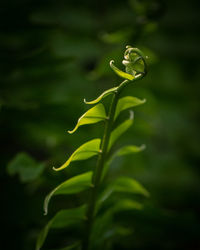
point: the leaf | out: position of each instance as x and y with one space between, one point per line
104 94
120 72
93 115
63 219
129 185
126 103
85 151
117 132
27 168
124 185
129 149
73 185
127 204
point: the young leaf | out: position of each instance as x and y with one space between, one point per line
104 94
117 132
120 72
126 103
74 185
63 219
84 152
93 115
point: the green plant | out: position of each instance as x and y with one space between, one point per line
97 215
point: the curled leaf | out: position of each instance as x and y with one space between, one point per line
73 185
121 73
85 151
104 94
126 103
93 115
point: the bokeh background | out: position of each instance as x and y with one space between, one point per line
55 53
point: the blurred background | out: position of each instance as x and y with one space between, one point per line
53 54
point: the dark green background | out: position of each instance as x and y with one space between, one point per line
55 53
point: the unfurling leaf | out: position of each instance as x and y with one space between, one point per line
104 94
117 132
73 185
93 115
121 73
126 103
85 151
63 219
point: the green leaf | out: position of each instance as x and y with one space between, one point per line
123 185
63 219
93 115
129 149
85 151
129 185
104 94
126 103
74 185
122 128
27 168
121 73
127 204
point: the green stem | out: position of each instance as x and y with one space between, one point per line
96 179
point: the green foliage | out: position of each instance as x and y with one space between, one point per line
85 151
98 225
93 115
26 167
63 219
72 186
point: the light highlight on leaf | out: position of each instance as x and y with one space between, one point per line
104 94
85 151
126 103
93 115
73 185
63 219
120 72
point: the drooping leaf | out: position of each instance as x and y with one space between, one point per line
104 94
27 168
121 73
63 219
117 132
126 103
93 115
85 151
73 185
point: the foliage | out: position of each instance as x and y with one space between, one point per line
101 147
55 53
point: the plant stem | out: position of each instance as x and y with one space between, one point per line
96 179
